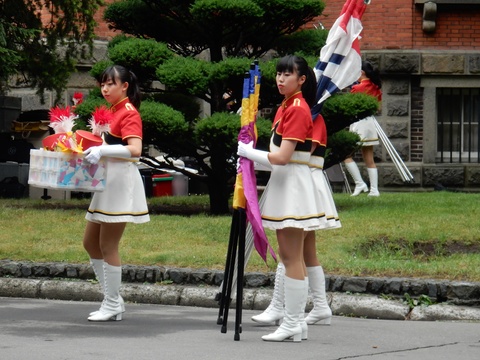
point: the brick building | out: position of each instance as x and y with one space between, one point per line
428 53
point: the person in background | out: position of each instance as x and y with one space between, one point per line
290 202
123 199
371 84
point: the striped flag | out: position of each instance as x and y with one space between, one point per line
340 63
245 195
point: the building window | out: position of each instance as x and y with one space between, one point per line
458 119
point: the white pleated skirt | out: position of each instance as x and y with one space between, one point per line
290 199
327 204
123 199
367 131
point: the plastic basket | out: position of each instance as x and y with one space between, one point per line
65 171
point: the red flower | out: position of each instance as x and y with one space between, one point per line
102 115
100 120
59 114
77 98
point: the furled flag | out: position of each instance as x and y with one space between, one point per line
245 194
340 63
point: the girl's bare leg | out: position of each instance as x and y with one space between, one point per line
290 247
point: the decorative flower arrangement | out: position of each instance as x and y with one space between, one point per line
100 120
62 121
98 123
77 99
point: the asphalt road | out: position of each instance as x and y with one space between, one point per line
32 329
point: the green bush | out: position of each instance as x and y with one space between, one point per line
219 129
186 75
162 124
187 105
228 68
98 68
303 43
140 56
223 128
117 40
341 145
264 131
343 109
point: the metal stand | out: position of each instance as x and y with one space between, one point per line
45 195
236 246
336 174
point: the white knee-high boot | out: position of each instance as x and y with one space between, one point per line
360 185
274 312
97 265
373 176
303 323
295 301
111 308
321 312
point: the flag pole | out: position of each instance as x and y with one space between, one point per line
246 220
402 169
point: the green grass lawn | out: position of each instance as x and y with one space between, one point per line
430 235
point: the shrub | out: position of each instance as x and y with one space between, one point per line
162 125
187 105
341 145
141 56
303 43
186 75
343 109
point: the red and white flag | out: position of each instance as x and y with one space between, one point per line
340 62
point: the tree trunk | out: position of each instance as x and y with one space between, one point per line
218 197
218 187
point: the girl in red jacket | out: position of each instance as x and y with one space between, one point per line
371 84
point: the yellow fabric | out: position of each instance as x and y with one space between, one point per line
239 200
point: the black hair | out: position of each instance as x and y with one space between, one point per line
372 73
124 76
297 64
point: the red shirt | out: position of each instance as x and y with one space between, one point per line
126 122
319 135
368 87
293 120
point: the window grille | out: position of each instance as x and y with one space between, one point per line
458 119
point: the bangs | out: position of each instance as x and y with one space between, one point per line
286 64
109 75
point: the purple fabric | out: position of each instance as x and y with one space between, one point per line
260 240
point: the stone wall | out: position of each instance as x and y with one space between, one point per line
408 115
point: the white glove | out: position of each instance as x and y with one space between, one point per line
257 156
94 153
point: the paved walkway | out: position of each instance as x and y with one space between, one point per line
58 330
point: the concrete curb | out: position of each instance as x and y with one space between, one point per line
342 304
439 291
